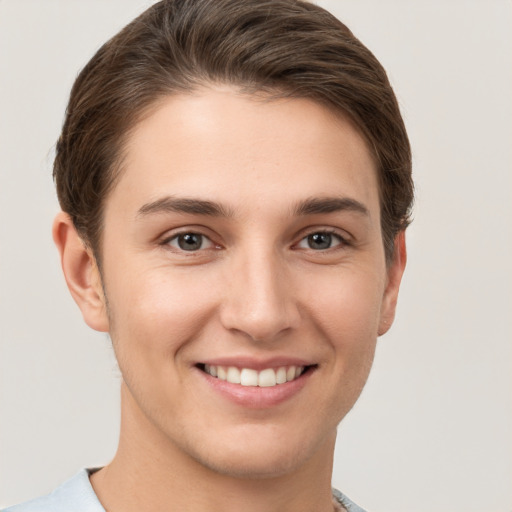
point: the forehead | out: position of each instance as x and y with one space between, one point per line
240 148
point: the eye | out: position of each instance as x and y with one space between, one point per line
320 241
190 242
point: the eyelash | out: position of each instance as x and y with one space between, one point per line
342 241
168 242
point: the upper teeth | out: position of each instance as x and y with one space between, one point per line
249 377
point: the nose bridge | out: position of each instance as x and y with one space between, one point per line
261 302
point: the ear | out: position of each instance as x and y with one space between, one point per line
81 273
395 272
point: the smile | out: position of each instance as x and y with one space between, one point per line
268 377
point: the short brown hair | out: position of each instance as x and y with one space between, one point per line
288 48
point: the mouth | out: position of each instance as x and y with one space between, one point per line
249 377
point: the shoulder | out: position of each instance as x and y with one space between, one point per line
347 504
75 494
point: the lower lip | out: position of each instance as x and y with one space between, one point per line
256 397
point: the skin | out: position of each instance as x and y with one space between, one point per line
256 289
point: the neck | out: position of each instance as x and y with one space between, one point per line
149 472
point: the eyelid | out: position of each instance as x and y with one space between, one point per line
336 242
171 235
204 241
344 238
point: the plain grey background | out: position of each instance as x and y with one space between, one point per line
433 428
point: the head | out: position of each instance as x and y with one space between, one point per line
235 175
283 48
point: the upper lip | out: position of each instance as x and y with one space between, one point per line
256 363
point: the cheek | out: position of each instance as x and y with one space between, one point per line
352 333
154 313
351 327
347 306
348 318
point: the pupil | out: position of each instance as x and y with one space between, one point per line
189 242
320 241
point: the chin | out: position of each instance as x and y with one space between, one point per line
244 466
260 456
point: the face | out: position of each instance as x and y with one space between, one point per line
245 278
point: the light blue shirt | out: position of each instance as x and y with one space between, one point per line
74 495
77 495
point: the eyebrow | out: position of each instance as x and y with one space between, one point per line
318 205
310 206
185 205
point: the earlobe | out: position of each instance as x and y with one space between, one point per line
81 273
395 273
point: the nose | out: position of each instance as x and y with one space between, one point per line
260 301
